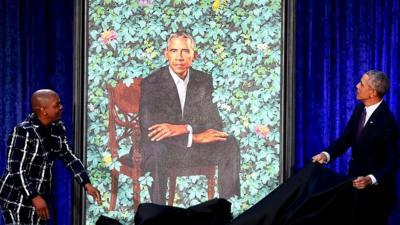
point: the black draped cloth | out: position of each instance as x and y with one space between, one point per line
313 196
212 212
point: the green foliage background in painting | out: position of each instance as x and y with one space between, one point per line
239 44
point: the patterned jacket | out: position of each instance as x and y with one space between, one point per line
32 150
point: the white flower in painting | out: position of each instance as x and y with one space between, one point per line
91 107
225 107
262 46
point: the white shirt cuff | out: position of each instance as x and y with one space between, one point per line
190 136
328 157
373 179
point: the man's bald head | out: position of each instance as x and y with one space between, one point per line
46 105
41 98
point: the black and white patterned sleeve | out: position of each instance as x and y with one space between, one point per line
20 149
73 163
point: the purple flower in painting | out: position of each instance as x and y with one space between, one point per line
144 2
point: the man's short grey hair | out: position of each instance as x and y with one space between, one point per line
181 34
378 81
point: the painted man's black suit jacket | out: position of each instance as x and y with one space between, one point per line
160 90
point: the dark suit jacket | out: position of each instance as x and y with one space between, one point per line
375 151
160 104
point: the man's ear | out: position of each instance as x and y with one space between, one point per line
166 53
196 54
374 93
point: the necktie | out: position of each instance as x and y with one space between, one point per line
361 123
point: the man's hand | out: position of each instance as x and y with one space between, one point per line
161 131
41 207
362 182
209 136
320 158
93 192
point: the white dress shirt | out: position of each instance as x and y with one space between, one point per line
181 86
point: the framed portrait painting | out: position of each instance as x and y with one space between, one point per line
244 48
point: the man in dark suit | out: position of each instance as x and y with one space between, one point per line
372 133
181 125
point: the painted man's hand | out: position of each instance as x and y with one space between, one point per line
93 192
41 207
209 136
161 131
362 182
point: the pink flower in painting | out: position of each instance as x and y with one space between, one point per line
144 2
108 36
262 130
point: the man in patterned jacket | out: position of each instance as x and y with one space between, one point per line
33 146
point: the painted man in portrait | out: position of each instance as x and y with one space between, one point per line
180 124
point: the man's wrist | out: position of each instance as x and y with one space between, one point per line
373 179
32 196
327 156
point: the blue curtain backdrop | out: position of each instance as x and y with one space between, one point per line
36 42
338 41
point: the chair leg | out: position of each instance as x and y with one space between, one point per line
171 195
136 190
211 186
114 188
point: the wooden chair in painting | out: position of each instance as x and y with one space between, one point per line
124 103
123 109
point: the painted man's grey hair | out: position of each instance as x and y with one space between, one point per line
182 35
378 81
